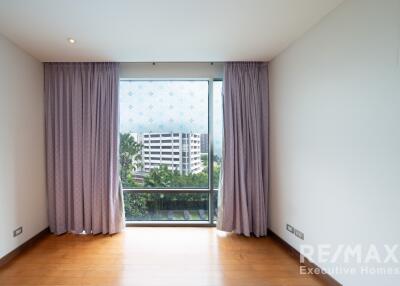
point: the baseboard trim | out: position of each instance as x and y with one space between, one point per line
27 244
329 280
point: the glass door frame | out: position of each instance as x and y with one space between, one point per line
210 190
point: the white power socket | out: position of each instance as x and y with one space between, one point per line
296 232
17 231
299 234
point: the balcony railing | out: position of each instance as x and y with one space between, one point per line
170 205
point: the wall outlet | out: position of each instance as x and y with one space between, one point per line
299 234
18 231
290 228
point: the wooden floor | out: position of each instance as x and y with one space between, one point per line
156 256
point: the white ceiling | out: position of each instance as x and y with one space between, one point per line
158 30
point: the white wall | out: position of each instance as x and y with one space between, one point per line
335 132
22 169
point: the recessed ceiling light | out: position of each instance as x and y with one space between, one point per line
71 41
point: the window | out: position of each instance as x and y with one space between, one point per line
172 120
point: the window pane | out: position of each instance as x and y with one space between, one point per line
164 131
166 206
214 204
217 128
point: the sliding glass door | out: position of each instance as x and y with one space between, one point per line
170 150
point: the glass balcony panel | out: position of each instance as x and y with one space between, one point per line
155 206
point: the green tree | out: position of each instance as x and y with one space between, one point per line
135 204
216 174
160 177
130 160
130 157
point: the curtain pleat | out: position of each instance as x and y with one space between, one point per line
244 187
81 119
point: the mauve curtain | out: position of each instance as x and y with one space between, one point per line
81 119
244 187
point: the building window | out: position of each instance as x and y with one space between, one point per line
173 118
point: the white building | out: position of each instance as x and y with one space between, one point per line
178 151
